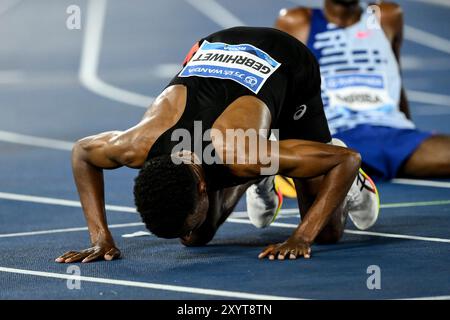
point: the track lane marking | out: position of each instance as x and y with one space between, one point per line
90 53
148 285
443 3
34 141
422 183
366 233
72 203
64 230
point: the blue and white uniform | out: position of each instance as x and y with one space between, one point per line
361 86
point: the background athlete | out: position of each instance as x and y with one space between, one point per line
191 199
364 100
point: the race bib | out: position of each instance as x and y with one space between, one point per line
357 92
243 63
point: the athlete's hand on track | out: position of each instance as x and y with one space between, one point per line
290 249
101 250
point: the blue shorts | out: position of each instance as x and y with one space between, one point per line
383 149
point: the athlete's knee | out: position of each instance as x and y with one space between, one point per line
342 154
350 154
352 158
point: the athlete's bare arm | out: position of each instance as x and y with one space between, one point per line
111 150
306 159
297 159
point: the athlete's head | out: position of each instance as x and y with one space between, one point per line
345 2
171 198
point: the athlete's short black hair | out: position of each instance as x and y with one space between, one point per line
165 194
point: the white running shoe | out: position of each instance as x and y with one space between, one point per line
263 202
362 199
363 202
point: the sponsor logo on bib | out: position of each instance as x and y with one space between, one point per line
243 63
358 92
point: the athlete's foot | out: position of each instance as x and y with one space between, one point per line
264 202
363 202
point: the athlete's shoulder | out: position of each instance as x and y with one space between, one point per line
295 21
294 17
390 11
390 8
391 18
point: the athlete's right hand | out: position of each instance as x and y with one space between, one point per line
101 250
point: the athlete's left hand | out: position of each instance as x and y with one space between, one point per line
291 249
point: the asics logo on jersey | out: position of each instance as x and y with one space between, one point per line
300 112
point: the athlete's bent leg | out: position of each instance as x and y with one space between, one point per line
431 159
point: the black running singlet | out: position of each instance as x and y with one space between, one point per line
262 62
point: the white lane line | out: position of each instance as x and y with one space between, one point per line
90 59
149 285
64 230
365 233
427 39
291 211
430 111
173 288
415 204
444 3
167 70
34 141
428 98
396 236
58 202
287 211
216 13
236 217
8 5
428 298
71 203
273 224
423 183
11 76
415 62
137 234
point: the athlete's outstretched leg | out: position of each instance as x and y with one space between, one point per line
431 159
